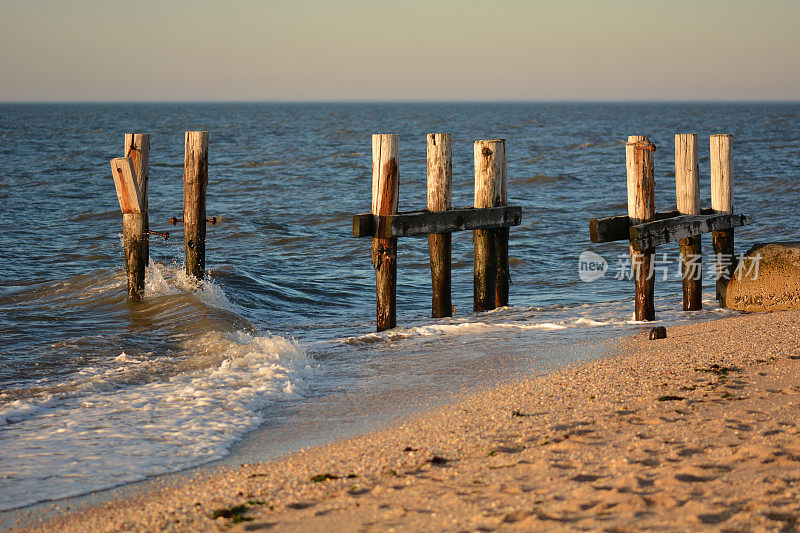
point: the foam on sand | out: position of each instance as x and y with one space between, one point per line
143 416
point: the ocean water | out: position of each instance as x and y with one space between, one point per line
276 349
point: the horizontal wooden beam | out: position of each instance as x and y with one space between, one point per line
429 222
611 229
650 234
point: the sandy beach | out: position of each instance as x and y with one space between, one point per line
698 431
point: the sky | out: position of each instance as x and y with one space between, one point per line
400 50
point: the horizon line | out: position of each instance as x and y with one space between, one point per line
409 101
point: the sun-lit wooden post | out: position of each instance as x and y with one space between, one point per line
722 202
687 192
490 171
137 147
195 181
641 208
440 173
503 276
385 188
133 232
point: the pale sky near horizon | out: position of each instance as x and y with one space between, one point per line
250 50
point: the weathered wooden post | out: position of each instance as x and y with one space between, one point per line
687 191
385 188
722 202
641 208
440 173
195 181
133 231
490 171
503 276
137 147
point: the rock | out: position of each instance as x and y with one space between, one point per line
767 279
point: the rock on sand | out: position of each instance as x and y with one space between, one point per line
768 279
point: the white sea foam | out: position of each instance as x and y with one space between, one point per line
541 325
536 319
163 280
18 410
420 331
123 423
123 358
465 328
589 322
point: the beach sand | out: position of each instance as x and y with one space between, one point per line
697 431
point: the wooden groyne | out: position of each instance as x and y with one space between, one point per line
489 220
645 228
131 175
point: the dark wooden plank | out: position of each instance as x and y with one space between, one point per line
651 234
405 224
610 229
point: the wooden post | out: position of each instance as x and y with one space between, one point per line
503 276
490 169
195 181
137 147
722 202
440 172
130 203
385 188
641 208
687 191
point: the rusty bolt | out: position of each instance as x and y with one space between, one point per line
164 234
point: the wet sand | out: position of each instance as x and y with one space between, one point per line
698 431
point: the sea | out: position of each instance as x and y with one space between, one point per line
276 348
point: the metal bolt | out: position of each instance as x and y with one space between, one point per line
164 234
175 220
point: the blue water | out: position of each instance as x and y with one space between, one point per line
88 379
